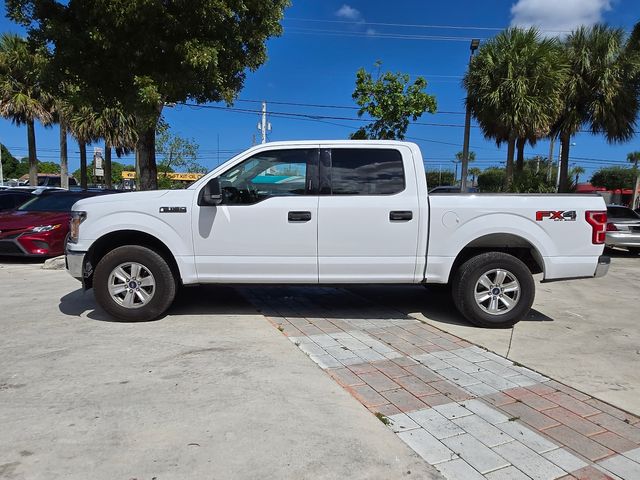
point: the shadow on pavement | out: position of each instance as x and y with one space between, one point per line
10 260
200 300
366 302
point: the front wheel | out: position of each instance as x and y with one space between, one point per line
134 284
493 290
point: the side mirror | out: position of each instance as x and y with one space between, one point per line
210 195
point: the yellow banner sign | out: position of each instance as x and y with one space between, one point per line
185 177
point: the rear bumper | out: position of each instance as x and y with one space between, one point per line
604 263
623 239
570 268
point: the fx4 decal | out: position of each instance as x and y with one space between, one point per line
558 216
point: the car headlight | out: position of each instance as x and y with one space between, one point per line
74 226
45 228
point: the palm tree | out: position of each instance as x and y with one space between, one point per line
577 171
513 87
82 125
474 172
118 131
634 157
602 90
22 97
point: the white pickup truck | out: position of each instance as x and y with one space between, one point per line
332 212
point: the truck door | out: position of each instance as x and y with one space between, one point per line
368 217
266 229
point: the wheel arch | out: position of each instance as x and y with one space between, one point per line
509 243
109 241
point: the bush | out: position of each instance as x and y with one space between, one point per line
492 180
435 178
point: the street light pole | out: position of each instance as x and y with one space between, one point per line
475 43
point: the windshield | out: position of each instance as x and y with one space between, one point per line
57 202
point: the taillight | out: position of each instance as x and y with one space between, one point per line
598 221
611 227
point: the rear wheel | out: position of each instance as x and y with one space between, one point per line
134 284
494 290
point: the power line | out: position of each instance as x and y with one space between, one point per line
370 34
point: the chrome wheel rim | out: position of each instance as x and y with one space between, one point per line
497 291
131 285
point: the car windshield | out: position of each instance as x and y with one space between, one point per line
622 212
57 202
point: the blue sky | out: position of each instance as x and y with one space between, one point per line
325 42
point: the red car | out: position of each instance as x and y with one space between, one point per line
40 227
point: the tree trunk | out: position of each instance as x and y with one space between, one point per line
565 140
634 200
33 159
83 164
511 146
64 159
146 148
520 159
107 165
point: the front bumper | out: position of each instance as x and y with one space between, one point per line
75 264
604 263
622 239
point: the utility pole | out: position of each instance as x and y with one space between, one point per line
1 172
475 43
550 167
264 126
455 175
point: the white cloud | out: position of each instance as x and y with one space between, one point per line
348 12
558 15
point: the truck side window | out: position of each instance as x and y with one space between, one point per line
366 171
268 174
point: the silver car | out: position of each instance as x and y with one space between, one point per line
623 228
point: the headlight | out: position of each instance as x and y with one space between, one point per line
44 228
74 226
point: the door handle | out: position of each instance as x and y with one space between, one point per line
299 216
401 216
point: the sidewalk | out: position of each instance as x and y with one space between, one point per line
467 411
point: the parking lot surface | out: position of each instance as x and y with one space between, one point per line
211 391
218 389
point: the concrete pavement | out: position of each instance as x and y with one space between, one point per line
211 391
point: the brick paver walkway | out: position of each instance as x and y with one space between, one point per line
469 412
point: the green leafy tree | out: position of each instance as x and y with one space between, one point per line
9 163
116 172
602 91
435 178
513 89
48 167
614 178
176 153
118 130
157 53
492 180
532 178
391 101
23 100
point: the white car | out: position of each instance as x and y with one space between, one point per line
354 212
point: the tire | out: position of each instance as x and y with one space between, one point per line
634 250
508 298
148 297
